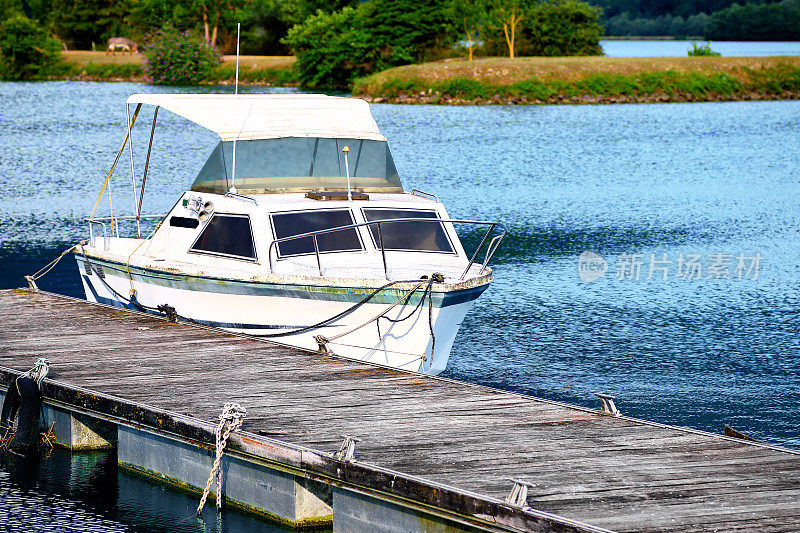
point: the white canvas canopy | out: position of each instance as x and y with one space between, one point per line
271 116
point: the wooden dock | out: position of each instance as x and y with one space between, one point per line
439 450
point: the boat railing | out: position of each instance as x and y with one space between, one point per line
101 221
423 194
92 222
491 248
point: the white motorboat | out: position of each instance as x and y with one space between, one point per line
297 229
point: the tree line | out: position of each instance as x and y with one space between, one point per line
721 20
510 27
337 47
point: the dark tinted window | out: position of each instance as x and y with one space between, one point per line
227 235
297 223
426 236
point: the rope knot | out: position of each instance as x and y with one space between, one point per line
233 413
39 371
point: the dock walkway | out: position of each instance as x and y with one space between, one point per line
449 448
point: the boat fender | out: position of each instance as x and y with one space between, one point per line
23 402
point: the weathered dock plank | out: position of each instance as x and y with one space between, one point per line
612 472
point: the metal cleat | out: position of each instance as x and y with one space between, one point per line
608 407
322 344
347 449
32 283
519 494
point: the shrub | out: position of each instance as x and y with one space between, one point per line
333 49
173 57
702 50
563 28
26 50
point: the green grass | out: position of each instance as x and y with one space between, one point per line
108 70
700 85
270 75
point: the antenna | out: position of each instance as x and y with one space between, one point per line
236 91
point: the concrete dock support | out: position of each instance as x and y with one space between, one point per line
77 431
280 496
357 513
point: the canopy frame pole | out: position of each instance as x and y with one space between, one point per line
107 183
133 173
146 166
233 170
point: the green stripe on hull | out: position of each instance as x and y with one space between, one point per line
261 288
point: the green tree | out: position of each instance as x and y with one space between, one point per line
413 26
563 28
506 16
26 50
333 49
264 25
755 22
468 16
296 11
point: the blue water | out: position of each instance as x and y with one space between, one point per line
658 48
627 182
85 492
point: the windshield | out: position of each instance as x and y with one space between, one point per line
299 164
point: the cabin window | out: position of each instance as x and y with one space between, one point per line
299 222
408 236
228 235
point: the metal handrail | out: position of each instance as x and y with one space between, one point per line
424 194
102 221
490 250
91 233
242 197
132 217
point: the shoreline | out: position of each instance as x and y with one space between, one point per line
587 99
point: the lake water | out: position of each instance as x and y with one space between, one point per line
704 194
659 48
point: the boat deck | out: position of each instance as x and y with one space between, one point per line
612 472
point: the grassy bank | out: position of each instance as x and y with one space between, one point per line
586 80
99 66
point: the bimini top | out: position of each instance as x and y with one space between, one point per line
271 116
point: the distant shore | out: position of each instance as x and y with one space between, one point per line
521 81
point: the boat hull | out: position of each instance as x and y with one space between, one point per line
416 334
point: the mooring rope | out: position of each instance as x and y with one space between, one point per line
48 267
39 371
382 313
427 292
229 421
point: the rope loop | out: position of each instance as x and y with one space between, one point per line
39 371
230 420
